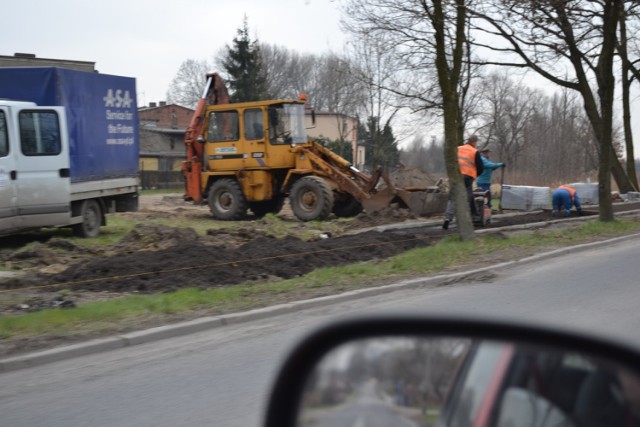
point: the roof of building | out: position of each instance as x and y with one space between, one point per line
31 60
161 105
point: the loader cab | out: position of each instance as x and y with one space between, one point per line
287 125
253 135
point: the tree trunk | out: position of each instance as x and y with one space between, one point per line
448 78
624 182
626 105
606 89
604 182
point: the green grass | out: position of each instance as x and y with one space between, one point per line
113 315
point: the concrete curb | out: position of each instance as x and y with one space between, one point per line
205 323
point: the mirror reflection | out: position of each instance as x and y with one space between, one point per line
459 382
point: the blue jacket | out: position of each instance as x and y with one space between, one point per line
489 167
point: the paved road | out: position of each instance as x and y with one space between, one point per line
221 377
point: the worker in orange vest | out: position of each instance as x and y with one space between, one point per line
471 166
565 197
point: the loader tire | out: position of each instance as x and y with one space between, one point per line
260 209
226 200
311 198
346 208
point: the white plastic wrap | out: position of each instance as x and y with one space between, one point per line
587 192
525 198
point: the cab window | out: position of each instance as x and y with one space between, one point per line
286 124
4 140
39 133
253 124
223 126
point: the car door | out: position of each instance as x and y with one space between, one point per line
42 167
8 199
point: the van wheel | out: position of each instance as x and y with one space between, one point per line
91 220
311 198
226 201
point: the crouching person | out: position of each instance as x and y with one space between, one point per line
563 199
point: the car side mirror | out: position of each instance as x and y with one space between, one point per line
390 371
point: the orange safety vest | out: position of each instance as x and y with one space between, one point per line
467 160
571 190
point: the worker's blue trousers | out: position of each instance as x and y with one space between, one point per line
561 198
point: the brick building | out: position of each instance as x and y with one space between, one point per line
162 150
163 115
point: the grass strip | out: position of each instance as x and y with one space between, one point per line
113 315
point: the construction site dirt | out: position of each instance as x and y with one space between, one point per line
160 258
155 258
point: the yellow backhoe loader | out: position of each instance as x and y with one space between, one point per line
253 155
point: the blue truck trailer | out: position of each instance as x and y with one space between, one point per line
69 148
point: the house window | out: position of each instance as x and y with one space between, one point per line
165 164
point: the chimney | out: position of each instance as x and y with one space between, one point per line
24 55
152 105
163 103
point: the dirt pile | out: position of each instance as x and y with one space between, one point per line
168 263
413 177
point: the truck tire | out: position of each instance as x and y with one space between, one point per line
311 198
347 207
262 208
91 219
226 200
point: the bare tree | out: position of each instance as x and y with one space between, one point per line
186 87
556 38
288 73
509 106
371 70
559 143
626 80
428 40
423 155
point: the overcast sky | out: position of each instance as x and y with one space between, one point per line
149 40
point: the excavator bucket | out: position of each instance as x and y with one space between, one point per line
423 201
420 201
380 200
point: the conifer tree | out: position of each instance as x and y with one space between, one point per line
381 144
246 76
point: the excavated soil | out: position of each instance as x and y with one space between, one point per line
153 258
158 258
